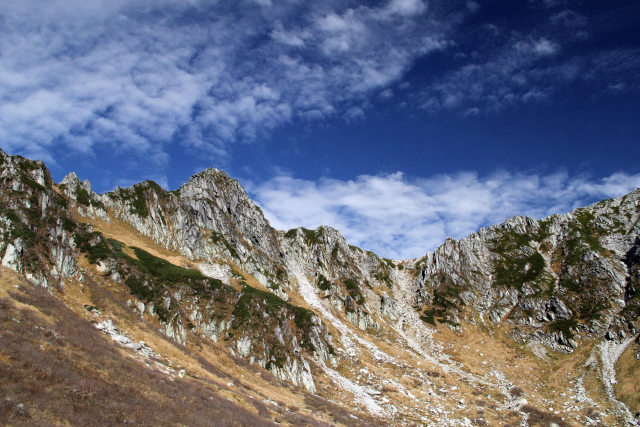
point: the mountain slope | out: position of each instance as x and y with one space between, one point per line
496 328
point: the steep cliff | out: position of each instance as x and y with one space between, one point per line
401 340
43 240
554 280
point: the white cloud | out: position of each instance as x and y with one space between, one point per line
502 67
283 36
511 76
518 72
569 18
540 47
406 7
545 47
472 6
402 218
138 75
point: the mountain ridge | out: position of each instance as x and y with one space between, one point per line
560 285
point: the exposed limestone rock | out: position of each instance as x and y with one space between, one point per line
389 308
11 258
88 202
553 283
243 347
298 372
211 217
174 331
362 320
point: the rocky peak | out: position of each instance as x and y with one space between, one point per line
25 174
71 186
283 300
219 203
210 184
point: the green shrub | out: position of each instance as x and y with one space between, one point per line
117 246
99 251
354 290
585 218
312 236
543 230
98 204
323 283
138 288
351 284
428 316
334 251
384 277
511 271
291 234
82 196
564 326
164 270
581 238
570 285
68 224
12 216
509 240
139 204
60 201
590 307
248 303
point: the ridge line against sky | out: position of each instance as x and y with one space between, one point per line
337 91
402 218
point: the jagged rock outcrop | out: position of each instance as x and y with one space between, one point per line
554 282
87 202
34 223
211 217
41 240
552 278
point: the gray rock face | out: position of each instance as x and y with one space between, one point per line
218 203
87 202
211 217
518 272
34 240
389 308
559 272
12 254
549 282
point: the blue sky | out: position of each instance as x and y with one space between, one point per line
399 122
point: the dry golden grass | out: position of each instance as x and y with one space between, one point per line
206 363
211 371
110 304
124 232
540 381
628 376
67 372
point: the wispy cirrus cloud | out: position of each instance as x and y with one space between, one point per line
501 66
138 76
399 217
146 79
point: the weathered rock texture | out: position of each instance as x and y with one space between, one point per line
553 282
550 279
